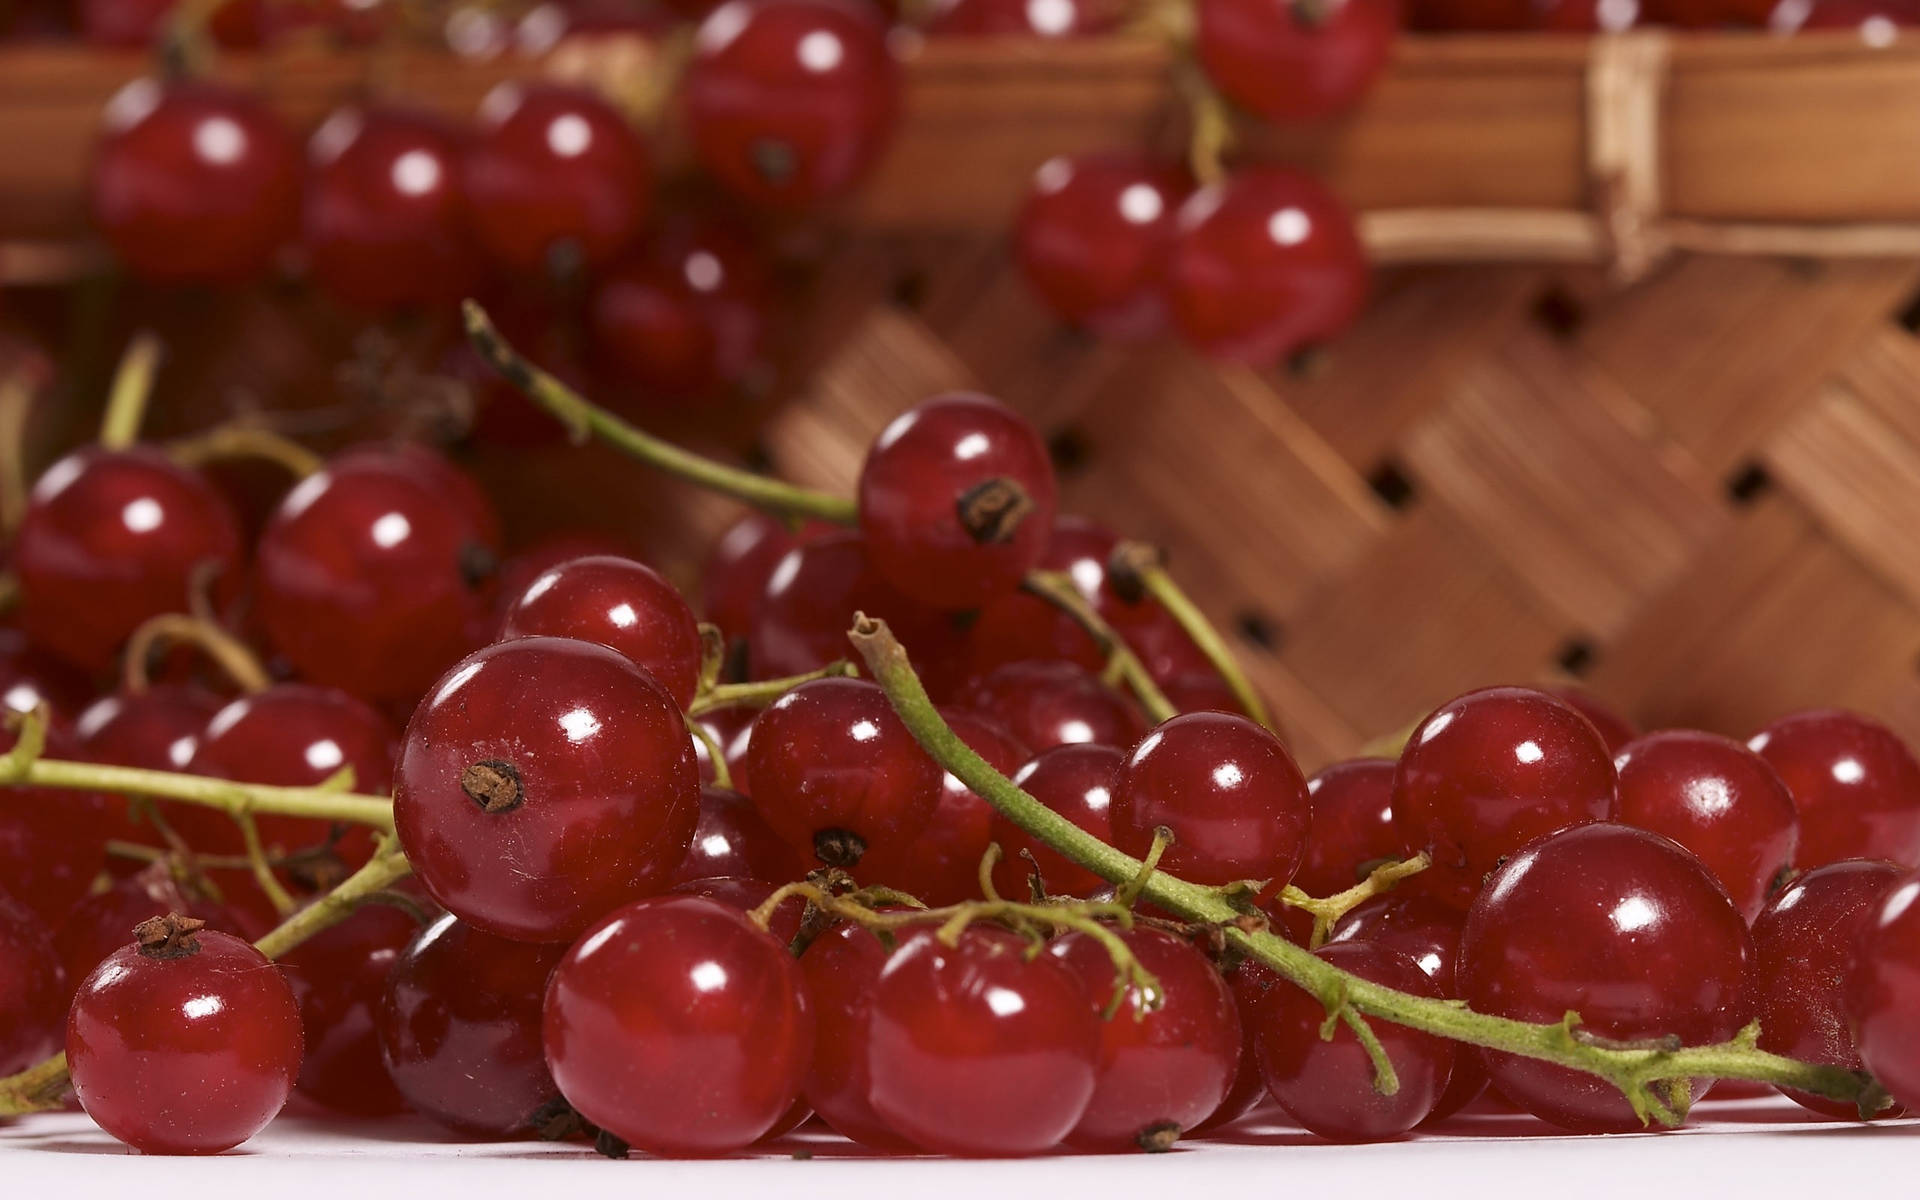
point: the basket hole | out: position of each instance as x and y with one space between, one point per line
909 289
1576 656
1909 314
1558 312
1748 484
1258 628
758 459
1070 451
1391 484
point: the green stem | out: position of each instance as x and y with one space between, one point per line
243 441
716 756
763 692
283 904
132 387
1634 1071
1136 564
1328 910
1058 590
584 419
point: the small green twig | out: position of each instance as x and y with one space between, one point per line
1128 893
234 657
1136 565
237 440
132 387
763 692
1328 910
262 870
716 757
1123 664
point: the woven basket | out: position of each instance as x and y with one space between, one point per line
1608 438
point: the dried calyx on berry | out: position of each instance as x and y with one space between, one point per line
494 785
168 937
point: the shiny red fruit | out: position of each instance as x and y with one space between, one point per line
980 1048
100 924
1615 730
111 538
190 1047
122 23
1488 772
193 183
842 967
52 840
1228 791
684 314
942 865
748 895
542 783
1048 704
835 772
1163 1069
33 989
735 574
1352 829
790 102
384 225
618 603
1803 945
1294 61
1615 923
339 976
732 838
31 679
732 730
678 1026
1014 18
957 500
555 178
1092 240
1076 781
1882 992
459 1028
1264 265
1718 799
1855 783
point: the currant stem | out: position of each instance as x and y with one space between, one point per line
234 657
277 896
241 440
585 420
1329 909
1633 1071
1211 134
1057 589
764 692
1138 563
132 387
716 757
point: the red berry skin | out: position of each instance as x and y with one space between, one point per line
459 1028
369 573
1352 826
919 487
1171 1065
732 838
52 840
1488 772
737 569
1034 18
609 794
1327 1085
732 729
156 729
1615 923
1076 781
679 1026
1092 241
33 989
98 925
552 171
1615 730
830 757
384 225
842 967
1229 792
977 1050
790 102
1882 992
127 23
683 316
31 679
1855 783
1271 60
1048 704
519 571
1263 265
338 978
619 603
189 1055
745 895
1803 946
112 537
942 865
194 183
1718 799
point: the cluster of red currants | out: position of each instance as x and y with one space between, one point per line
1877 21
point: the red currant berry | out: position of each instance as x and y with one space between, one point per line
517 572
97 926
385 220
957 500
1719 800
186 1042
156 729
30 680
835 772
1264 265
980 1048
1882 992
736 572
619 603
1013 18
842 967
370 573
1352 828
733 839
1164 1069
1327 1084
1248 980
194 183
112 537
1076 781
1803 945
942 865
126 23
679 1027
542 782
1615 730
556 178
1295 61
1855 783
33 989
683 316
1615 923
52 841
789 102
1228 791
745 895
338 977
1048 704
459 1028
1487 773
1092 240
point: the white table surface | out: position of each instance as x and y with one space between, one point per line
1740 1150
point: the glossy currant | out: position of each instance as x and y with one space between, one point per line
732 838
1855 784
1046 704
619 603
1092 240
33 988
1351 828
1077 781
1882 991
842 967
942 865
1295 61
339 977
